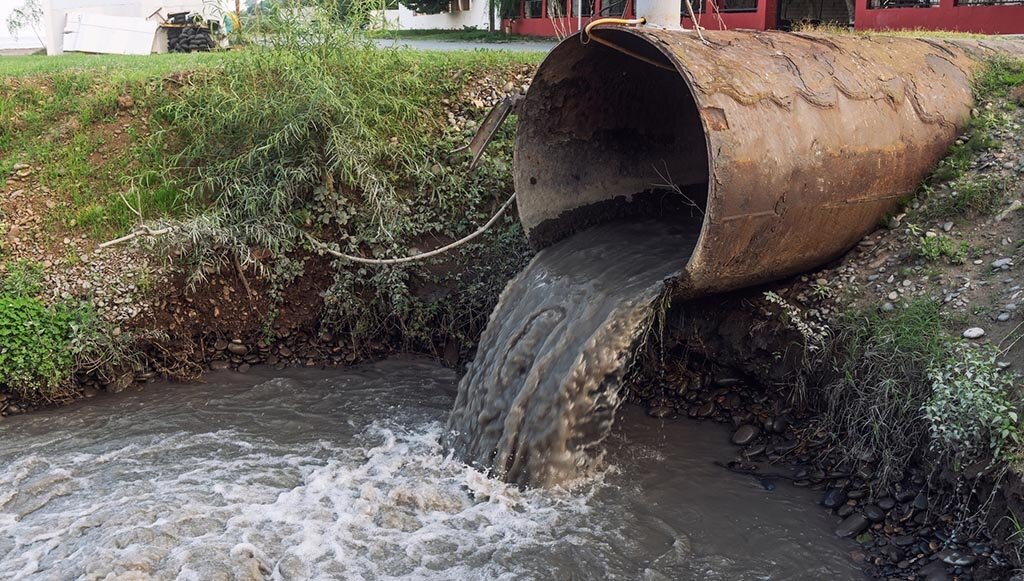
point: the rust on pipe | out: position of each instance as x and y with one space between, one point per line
784 149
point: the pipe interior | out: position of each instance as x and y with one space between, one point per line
603 135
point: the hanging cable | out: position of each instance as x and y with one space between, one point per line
589 35
325 248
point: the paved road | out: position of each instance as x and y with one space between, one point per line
517 46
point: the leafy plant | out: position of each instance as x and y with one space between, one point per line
36 358
971 413
934 248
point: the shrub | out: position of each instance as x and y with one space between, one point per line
971 414
36 358
318 130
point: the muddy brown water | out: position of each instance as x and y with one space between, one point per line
340 475
543 388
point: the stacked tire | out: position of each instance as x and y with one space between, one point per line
189 39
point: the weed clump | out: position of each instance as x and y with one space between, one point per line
873 382
935 248
999 77
969 198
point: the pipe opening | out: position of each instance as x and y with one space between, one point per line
603 135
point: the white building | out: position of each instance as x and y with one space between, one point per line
465 13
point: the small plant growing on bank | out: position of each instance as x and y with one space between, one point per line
971 413
969 198
1000 75
935 248
23 278
35 355
961 154
814 333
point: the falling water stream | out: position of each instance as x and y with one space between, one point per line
542 391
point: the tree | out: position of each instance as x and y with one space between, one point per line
27 16
427 6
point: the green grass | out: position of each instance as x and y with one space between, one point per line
127 67
962 153
1001 74
968 197
908 33
872 380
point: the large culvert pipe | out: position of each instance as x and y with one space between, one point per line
786 149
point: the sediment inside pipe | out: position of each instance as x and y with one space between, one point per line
603 135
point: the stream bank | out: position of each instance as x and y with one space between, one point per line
180 310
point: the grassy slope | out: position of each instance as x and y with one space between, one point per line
101 132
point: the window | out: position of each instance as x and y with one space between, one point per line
533 9
613 8
585 7
902 3
722 6
988 2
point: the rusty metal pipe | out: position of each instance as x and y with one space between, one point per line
786 149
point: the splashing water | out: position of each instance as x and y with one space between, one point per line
541 394
339 475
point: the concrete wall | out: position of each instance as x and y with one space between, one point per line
405 19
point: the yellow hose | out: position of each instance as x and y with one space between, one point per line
589 35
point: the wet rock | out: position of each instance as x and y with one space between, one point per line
90 392
904 541
905 495
745 434
853 525
1002 264
220 365
874 513
934 571
755 450
237 348
921 501
886 503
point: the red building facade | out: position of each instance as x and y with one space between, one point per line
563 17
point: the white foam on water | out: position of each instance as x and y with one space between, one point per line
390 507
